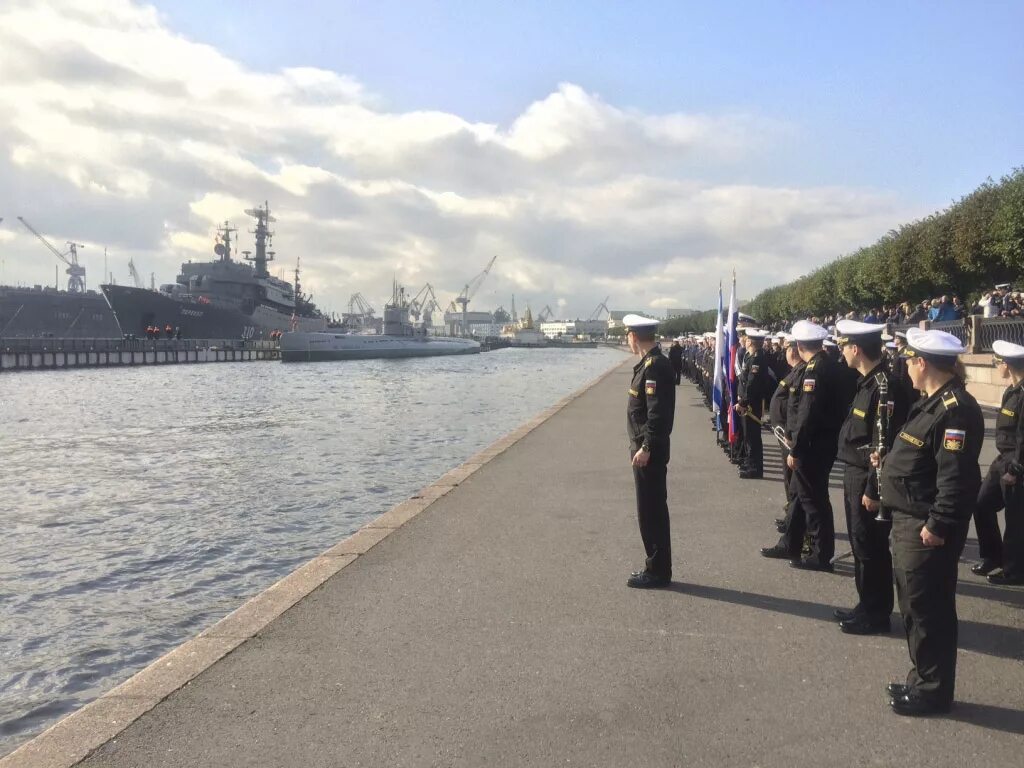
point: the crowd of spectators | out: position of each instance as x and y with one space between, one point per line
1001 301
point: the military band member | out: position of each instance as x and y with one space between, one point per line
1002 486
650 412
930 482
782 410
824 400
861 347
754 386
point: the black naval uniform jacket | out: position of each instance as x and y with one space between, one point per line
1010 431
858 436
755 381
824 400
783 405
932 472
652 405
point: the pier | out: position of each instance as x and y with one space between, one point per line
49 354
485 621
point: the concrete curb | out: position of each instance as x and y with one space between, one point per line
74 738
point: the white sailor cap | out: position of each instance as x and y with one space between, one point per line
742 318
901 335
1007 350
931 343
756 333
639 322
890 345
781 335
805 330
828 343
851 331
886 336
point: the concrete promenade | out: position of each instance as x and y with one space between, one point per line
494 628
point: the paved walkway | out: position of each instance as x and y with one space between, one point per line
495 629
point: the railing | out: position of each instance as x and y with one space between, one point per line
128 345
958 328
991 329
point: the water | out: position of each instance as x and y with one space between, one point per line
141 505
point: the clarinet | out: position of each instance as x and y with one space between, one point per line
882 431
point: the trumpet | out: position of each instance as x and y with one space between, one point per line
780 435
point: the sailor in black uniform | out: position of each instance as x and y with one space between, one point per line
650 412
1002 486
755 384
861 347
930 481
824 400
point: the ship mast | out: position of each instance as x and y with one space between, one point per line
263 239
223 246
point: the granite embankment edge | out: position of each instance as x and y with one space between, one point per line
76 736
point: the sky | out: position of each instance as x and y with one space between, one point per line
637 150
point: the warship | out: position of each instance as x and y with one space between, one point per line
221 299
401 338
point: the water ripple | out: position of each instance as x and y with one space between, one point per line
138 520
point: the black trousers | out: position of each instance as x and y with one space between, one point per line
869 539
652 514
926 587
811 509
1006 549
753 442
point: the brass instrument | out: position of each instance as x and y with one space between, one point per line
780 435
882 431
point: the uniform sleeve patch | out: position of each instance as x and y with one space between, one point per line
809 385
859 413
911 439
954 439
650 386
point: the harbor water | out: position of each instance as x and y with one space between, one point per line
141 505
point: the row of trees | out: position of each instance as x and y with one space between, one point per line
963 250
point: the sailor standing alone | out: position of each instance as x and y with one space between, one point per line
650 412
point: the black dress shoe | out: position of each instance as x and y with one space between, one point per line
1004 579
780 527
913 705
864 625
811 565
897 690
647 580
780 521
984 568
841 614
776 553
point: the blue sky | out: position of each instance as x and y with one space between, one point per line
639 150
923 98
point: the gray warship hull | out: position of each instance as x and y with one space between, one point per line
27 313
315 347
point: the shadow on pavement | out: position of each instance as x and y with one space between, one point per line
980 637
989 716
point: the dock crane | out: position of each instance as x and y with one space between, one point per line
75 271
424 303
136 278
602 307
359 311
545 314
462 300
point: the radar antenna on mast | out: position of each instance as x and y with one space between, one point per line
223 245
263 239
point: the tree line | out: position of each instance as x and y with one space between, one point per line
963 250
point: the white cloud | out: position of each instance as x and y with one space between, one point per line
117 131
